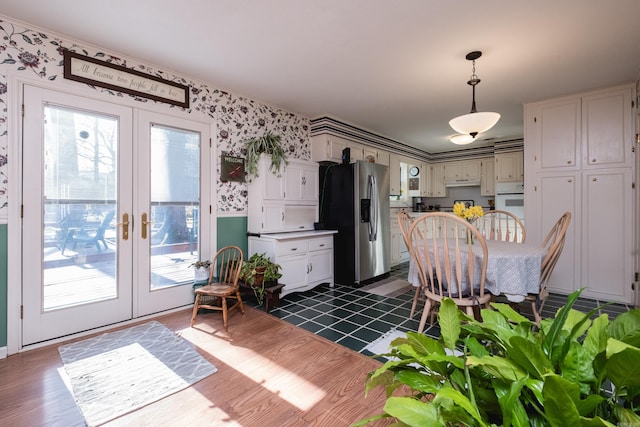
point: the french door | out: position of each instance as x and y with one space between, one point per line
112 217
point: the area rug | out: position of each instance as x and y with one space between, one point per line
389 289
118 372
382 344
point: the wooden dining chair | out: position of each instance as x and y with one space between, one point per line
222 285
405 220
443 254
554 243
501 225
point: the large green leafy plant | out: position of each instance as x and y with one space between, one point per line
573 371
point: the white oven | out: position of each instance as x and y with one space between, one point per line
510 198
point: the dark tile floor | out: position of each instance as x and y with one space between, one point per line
354 318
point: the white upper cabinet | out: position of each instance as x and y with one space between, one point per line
301 181
509 167
438 188
394 175
326 147
383 157
594 129
369 154
607 128
487 180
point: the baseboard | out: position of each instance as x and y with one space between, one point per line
3 352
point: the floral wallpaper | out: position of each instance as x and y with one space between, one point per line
236 118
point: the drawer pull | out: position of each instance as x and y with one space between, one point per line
294 249
322 245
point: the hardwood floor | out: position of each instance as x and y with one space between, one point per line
270 373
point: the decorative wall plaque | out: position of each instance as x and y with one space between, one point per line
231 168
121 79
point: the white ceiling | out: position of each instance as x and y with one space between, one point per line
396 68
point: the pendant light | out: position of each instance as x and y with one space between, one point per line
470 125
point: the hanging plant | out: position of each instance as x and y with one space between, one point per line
268 144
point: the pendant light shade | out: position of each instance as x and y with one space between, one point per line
474 123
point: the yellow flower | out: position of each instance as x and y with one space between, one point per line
470 213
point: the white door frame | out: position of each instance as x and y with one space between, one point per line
15 170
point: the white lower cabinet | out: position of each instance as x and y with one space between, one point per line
306 258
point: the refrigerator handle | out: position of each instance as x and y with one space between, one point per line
373 195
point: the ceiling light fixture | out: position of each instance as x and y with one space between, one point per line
470 125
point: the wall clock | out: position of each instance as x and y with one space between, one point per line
414 171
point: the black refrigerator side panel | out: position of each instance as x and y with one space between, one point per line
337 213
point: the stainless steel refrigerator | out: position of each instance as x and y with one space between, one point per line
354 199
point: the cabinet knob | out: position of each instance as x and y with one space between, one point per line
593 160
568 162
594 179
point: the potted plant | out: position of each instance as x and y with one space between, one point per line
577 369
268 144
201 271
257 271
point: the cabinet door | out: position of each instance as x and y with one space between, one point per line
487 180
607 240
310 183
320 267
557 133
452 171
396 237
424 179
369 154
383 157
294 271
327 148
301 182
272 218
508 167
607 129
357 151
556 194
437 181
471 170
394 175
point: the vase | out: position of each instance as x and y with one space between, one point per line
200 275
469 238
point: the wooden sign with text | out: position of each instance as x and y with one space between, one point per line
121 79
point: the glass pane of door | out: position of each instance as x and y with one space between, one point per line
79 239
175 201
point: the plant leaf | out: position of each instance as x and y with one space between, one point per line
499 367
622 364
559 395
413 412
460 400
449 323
577 366
558 322
529 356
626 327
507 311
419 380
596 340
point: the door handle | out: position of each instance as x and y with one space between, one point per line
144 225
125 226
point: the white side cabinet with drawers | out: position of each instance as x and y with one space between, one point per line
306 258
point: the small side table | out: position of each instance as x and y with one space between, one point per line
272 297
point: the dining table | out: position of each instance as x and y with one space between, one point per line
513 269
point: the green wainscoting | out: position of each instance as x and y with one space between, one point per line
3 285
233 231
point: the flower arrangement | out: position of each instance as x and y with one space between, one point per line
469 213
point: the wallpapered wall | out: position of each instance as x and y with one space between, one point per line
38 53
35 52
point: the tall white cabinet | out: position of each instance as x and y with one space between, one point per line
579 152
281 214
